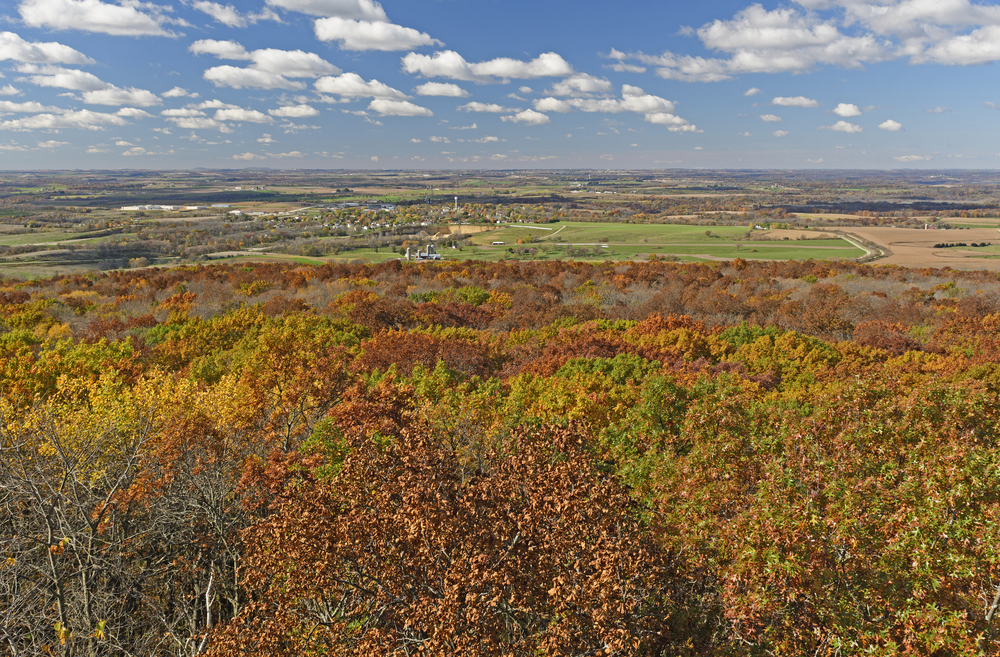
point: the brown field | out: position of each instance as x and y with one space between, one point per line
912 247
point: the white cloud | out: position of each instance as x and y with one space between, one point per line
672 122
440 140
270 69
770 118
177 92
14 47
987 103
294 112
552 105
780 133
293 154
212 104
199 123
9 90
476 106
221 49
352 85
580 83
633 99
938 110
441 89
266 139
912 158
449 64
292 63
62 78
242 116
248 156
847 110
360 9
890 125
843 126
115 96
752 91
239 78
93 150
794 101
387 107
30 107
134 151
96 91
368 35
133 113
230 16
51 144
528 117
79 119
96 16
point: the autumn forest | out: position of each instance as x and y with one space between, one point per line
501 458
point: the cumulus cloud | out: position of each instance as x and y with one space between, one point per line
352 85
476 106
248 156
14 47
270 68
292 63
239 78
369 35
441 89
780 133
890 125
843 126
633 99
9 90
178 92
449 64
938 110
241 115
752 91
127 19
221 49
912 158
388 107
133 113
794 101
528 117
580 83
95 91
116 96
79 119
672 122
62 78
30 107
847 110
770 118
356 9
230 16
845 33
294 112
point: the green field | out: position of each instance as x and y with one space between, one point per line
45 237
615 241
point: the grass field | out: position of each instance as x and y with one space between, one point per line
45 237
614 241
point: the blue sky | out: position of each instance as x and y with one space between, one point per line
449 84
